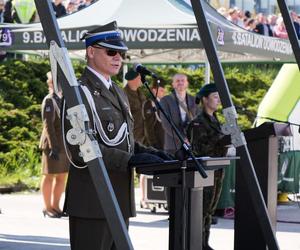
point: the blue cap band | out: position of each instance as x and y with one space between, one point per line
111 36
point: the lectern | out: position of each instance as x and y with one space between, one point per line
185 205
263 147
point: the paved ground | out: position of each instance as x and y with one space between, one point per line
23 227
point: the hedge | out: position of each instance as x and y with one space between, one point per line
23 86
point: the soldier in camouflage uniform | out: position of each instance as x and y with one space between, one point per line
204 134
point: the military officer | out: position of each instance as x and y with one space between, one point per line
154 131
136 99
55 163
204 134
108 109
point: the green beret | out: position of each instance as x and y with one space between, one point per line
205 91
131 74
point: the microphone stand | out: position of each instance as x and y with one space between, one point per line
187 151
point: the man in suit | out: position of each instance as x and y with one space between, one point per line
295 19
181 108
262 26
110 117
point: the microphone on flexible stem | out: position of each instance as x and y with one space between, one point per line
139 68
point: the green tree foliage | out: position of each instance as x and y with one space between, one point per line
23 87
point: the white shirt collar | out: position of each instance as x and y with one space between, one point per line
107 83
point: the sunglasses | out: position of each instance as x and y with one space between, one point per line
111 52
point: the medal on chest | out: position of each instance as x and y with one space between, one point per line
110 127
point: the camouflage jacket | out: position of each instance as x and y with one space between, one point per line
204 133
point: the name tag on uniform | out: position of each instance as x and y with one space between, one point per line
106 108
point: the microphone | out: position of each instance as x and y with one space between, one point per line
139 68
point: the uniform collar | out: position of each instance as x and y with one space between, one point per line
107 83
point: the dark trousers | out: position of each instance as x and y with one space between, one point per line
90 234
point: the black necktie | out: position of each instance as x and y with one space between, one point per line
111 89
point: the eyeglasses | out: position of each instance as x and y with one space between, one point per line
111 52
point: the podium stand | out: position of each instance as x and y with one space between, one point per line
263 147
169 174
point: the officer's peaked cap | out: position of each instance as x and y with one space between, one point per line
107 36
205 91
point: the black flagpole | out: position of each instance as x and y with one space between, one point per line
290 29
63 73
231 127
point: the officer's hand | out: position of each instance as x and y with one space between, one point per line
181 155
144 158
164 155
54 154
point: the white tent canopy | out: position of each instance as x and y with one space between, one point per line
149 29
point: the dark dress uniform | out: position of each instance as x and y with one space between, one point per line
112 122
51 138
136 100
154 131
81 202
204 134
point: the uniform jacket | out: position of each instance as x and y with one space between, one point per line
113 110
153 127
204 134
51 137
136 100
170 105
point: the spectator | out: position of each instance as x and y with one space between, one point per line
233 16
279 29
181 108
250 25
71 7
85 4
54 160
272 21
19 11
223 11
2 4
248 14
59 8
295 19
262 27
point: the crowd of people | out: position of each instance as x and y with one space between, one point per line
268 25
24 11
